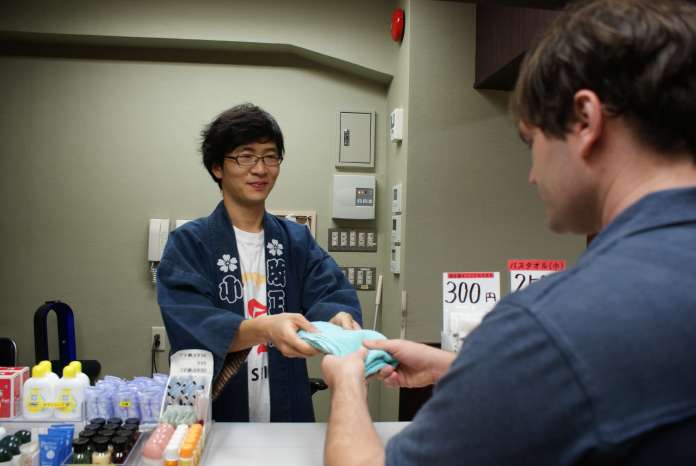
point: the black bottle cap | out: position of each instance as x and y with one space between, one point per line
117 421
93 427
24 436
88 434
13 447
107 432
119 443
5 455
80 445
98 420
132 420
130 427
101 444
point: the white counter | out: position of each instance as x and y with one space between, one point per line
286 444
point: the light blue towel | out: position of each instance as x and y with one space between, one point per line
332 339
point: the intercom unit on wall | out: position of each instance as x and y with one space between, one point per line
354 197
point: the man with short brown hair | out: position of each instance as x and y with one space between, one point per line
597 364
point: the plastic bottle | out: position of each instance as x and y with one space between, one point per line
37 394
120 450
81 454
29 452
81 376
186 455
101 453
13 447
155 445
49 371
71 393
5 457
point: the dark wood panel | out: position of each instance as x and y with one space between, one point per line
503 35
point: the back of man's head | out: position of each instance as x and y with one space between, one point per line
638 56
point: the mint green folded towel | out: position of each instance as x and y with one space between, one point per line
332 339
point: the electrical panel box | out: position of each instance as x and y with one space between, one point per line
354 197
351 240
396 125
362 278
356 145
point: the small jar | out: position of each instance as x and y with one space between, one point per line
120 450
128 440
81 453
108 433
92 427
114 421
88 434
101 453
132 420
127 434
98 420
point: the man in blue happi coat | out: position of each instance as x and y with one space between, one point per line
241 282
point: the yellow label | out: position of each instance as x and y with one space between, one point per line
65 401
35 403
125 404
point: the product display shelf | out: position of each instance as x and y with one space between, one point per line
17 423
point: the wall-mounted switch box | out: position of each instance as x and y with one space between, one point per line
354 197
356 139
352 240
396 125
362 278
396 229
395 259
396 199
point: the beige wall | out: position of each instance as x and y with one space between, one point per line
355 31
468 200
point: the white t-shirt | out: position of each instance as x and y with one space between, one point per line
252 258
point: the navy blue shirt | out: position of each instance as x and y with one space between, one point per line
581 366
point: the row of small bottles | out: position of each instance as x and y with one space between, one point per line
105 441
174 447
20 449
45 396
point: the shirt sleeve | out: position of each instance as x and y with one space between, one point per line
510 397
326 291
187 301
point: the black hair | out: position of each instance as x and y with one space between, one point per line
241 124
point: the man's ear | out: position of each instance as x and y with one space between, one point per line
588 121
217 171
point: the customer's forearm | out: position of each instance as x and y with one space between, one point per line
351 438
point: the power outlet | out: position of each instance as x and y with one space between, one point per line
164 341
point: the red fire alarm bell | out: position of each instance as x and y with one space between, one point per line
397 25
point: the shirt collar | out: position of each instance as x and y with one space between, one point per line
655 210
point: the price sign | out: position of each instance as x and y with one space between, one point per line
524 272
470 293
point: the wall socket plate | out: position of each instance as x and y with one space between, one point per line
164 345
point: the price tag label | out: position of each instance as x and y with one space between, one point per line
469 295
524 272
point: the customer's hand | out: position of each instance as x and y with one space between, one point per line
345 321
341 370
419 365
281 330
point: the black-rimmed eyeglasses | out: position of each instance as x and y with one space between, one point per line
252 160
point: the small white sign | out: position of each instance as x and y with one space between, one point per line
466 298
524 272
